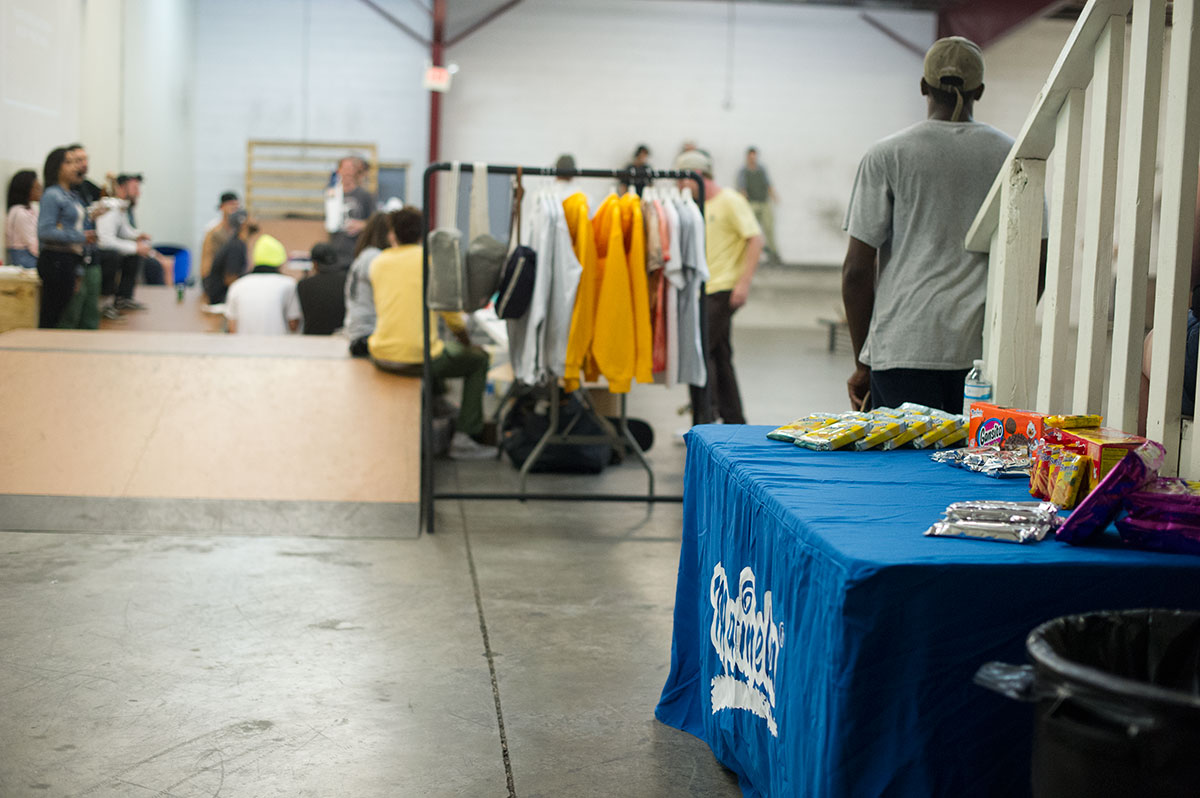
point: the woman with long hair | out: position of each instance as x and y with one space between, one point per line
360 299
20 227
61 236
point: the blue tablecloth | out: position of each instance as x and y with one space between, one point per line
840 659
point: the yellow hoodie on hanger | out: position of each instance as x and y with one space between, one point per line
583 317
613 347
634 228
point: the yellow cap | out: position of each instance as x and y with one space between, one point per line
269 252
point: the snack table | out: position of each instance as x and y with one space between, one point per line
823 646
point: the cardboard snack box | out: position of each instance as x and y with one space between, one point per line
1009 428
1103 445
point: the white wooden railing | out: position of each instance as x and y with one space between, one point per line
1099 378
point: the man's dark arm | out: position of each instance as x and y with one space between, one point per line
858 295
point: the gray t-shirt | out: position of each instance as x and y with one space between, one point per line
359 205
755 183
915 196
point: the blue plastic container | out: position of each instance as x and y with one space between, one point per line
183 261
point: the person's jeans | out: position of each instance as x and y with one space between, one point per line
722 387
929 387
23 258
83 311
113 265
58 271
765 213
456 360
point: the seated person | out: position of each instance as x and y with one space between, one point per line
360 302
1191 339
264 302
122 247
218 232
230 261
20 228
322 293
397 345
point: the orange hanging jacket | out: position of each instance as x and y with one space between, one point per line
583 317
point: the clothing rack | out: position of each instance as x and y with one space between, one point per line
619 436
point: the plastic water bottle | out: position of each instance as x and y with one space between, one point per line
976 388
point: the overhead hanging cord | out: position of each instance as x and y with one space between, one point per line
729 37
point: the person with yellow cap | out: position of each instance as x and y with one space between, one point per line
264 302
914 296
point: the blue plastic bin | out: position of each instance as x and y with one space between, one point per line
183 261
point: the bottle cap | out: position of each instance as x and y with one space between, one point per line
978 364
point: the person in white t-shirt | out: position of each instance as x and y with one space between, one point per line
264 302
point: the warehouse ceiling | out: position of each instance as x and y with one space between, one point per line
463 16
982 20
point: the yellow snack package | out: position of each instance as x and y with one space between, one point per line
789 432
834 436
1073 421
956 438
917 426
888 412
883 430
1068 477
940 430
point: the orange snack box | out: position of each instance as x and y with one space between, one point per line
1103 445
1006 427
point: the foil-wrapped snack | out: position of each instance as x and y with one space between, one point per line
990 460
1011 522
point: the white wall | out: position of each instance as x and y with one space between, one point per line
156 131
811 87
320 70
189 82
39 81
112 74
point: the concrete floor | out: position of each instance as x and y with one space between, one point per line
518 652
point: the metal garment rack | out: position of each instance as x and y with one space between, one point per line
619 436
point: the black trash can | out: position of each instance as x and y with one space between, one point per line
1118 703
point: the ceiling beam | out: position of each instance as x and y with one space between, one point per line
984 23
383 12
488 18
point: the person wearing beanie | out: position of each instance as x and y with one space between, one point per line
264 302
322 293
733 243
914 295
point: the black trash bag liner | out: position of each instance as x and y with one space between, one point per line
1118 703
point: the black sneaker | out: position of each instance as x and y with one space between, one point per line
110 312
123 303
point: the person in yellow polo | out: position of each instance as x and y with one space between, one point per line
397 345
733 245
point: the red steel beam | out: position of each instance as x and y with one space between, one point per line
984 23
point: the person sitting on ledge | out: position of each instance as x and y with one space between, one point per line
264 302
397 345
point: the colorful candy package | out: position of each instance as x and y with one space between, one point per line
1100 507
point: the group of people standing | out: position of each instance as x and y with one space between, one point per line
80 238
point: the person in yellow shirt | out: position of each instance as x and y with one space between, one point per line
397 345
733 245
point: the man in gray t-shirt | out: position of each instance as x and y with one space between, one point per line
755 185
916 319
359 205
